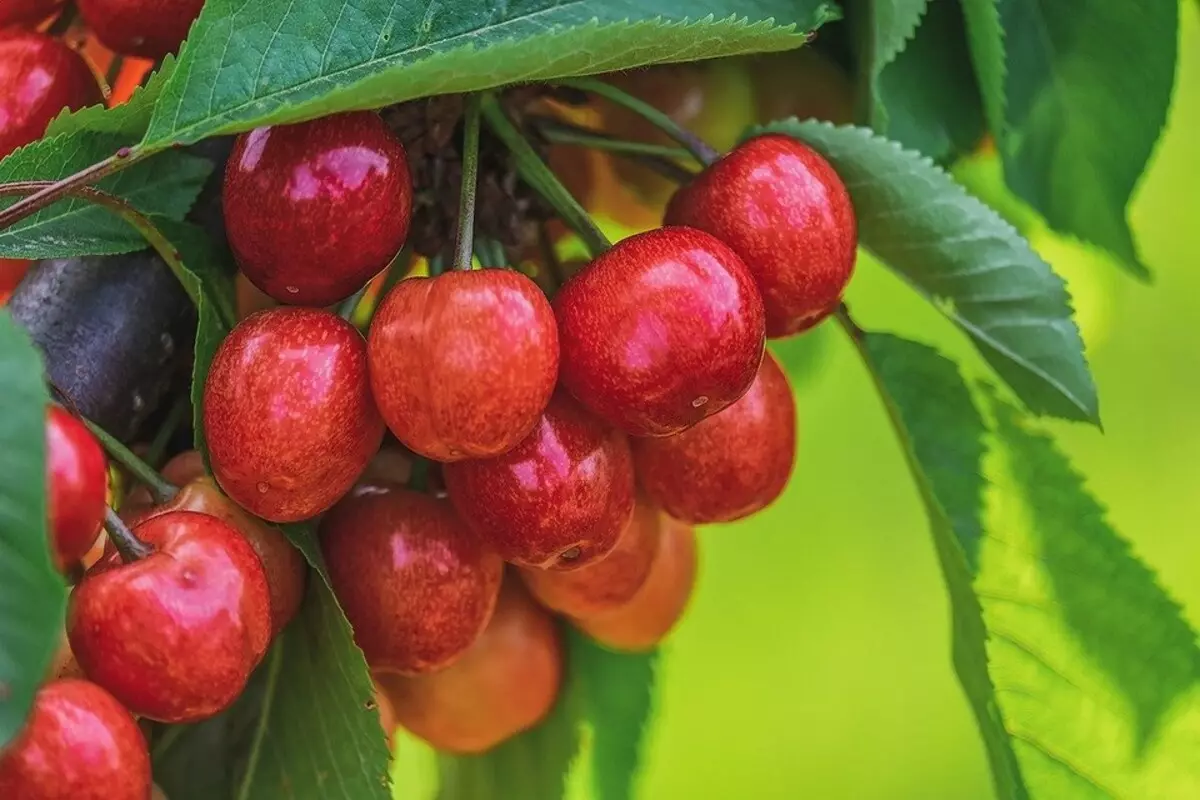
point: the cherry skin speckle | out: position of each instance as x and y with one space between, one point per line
785 211
663 330
288 412
462 365
145 28
27 12
731 465
559 499
417 586
314 210
78 743
175 635
39 77
77 483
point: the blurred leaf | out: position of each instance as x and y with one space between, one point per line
273 61
1077 95
967 260
881 31
33 596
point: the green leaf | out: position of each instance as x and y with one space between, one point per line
1084 91
882 29
967 260
129 120
33 596
274 61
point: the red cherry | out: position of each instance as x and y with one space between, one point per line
663 330
288 412
78 482
314 210
175 635
785 211
39 76
27 12
731 465
463 365
416 585
146 28
79 743
559 499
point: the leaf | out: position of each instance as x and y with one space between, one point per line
33 596
274 61
1084 94
129 119
967 260
883 29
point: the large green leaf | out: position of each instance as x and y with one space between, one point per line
1078 93
881 31
971 263
129 119
272 61
32 593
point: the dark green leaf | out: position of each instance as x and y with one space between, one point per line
1077 93
32 594
881 31
272 61
128 120
971 263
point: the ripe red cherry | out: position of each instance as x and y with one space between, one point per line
559 499
78 743
26 12
463 365
175 635
785 211
146 28
78 481
288 412
416 585
663 330
731 465
314 210
40 77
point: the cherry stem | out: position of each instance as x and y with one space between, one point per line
561 132
63 23
158 446
129 546
490 252
114 71
43 193
542 178
464 239
700 150
159 487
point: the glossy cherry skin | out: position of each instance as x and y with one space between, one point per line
731 465
27 12
314 210
175 635
785 211
39 77
145 28
605 584
653 612
506 683
288 412
462 365
663 330
559 499
78 480
79 743
416 585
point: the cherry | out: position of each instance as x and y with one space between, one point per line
27 12
288 412
417 587
785 211
663 330
506 683
41 76
175 635
78 482
462 365
731 465
559 499
78 743
605 584
145 28
314 210
643 622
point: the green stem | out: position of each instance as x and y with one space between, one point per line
165 431
437 265
542 179
562 133
114 71
46 192
159 487
700 150
464 238
129 546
